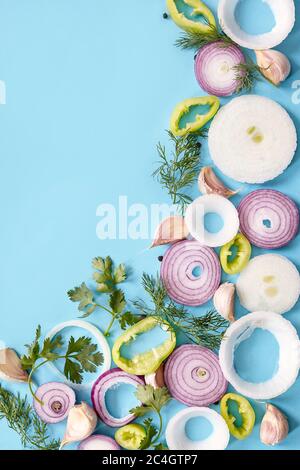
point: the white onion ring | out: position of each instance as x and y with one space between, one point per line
109 379
284 14
101 340
275 207
193 376
98 442
212 203
176 436
269 282
289 355
177 267
215 68
57 399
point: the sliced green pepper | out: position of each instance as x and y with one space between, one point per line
130 436
149 361
240 260
246 412
201 119
199 9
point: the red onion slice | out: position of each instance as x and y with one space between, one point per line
194 377
215 68
110 379
57 400
98 442
178 273
268 218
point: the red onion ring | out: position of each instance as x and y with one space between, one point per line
98 442
194 377
276 208
110 379
57 400
177 273
214 68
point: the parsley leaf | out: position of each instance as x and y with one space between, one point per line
85 297
117 301
106 276
151 432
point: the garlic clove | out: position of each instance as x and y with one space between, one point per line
156 379
209 183
170 230
274 426
10 366
224 301
274 65
82 421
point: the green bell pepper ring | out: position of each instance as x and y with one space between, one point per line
185 106
246 412
130 436
240 260
149 361
198 9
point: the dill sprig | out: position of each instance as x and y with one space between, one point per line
206 330
178 172
21 417
196 40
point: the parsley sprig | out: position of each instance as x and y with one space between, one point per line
21 417
107 278
152 400
80 356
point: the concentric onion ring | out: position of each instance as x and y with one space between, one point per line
56 400
112 378
194 377
177 269
268 218
176 436
289 354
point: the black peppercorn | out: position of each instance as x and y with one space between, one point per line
160 258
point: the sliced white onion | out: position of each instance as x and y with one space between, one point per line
269 282
176 436
101 340
289 354
284 15
212 203
252 139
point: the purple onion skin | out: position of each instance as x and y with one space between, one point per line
183 376
58 398
202 60
275 207
107 441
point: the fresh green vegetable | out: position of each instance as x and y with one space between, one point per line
21 417
206 330
149 361
198 9
131 436
107 278
80 356
197 39
240 260
246 412
153 400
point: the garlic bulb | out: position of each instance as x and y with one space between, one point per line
170 230
10 366
224 301
82 421
156 379
274 65
274 426
209 183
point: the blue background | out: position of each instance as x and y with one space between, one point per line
90 88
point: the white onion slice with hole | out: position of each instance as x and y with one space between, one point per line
178 440
252 139
269 282
101 340
284 15
289 354
212 203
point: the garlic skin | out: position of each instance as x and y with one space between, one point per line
10 367
224 301
274 65
82 421
274 426
209 183
156 379
170 230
